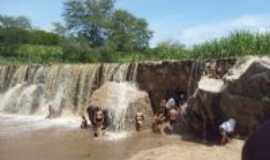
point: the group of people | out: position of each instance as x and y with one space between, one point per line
166 120
167 117
169 112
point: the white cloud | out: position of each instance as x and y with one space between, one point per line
203 32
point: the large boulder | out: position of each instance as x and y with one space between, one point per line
167 78
122 101
243 94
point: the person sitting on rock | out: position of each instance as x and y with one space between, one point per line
139 118
84 123
99 120
226 130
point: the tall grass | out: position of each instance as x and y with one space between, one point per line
236 44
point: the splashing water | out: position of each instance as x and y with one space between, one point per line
9 98
118 109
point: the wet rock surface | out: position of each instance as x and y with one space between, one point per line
165 79
244 96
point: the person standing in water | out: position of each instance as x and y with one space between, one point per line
84 123
173 116
139 118
99 120
169 105
159 119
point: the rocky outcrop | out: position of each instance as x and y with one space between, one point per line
164 79
122 101
243 94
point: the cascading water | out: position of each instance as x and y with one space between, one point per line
8 98
195 75
119 106
30 89
120 101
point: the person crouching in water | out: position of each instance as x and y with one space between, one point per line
159 119
226 130
99 122
139 118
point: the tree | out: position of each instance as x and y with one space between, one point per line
129 32
60 29
89 19
9 22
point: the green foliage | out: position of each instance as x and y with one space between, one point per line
8 22
14 36
40 54
102 26
117 36
236 44
89 19
21 36
40 37
171 50
60 29
129 33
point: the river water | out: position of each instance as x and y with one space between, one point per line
35 138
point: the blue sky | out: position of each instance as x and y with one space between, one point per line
187 21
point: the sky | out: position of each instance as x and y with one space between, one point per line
186 21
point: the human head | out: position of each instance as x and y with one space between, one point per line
171 103
83 117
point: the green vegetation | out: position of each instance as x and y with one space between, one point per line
94 31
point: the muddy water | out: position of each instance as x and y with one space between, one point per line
32 139
28 138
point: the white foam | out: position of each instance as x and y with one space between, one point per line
116 136
16 124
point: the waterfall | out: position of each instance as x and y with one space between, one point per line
9 98
195 75
118 108
118 99
30 89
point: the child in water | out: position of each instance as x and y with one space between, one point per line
99 120
84 123
139 118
